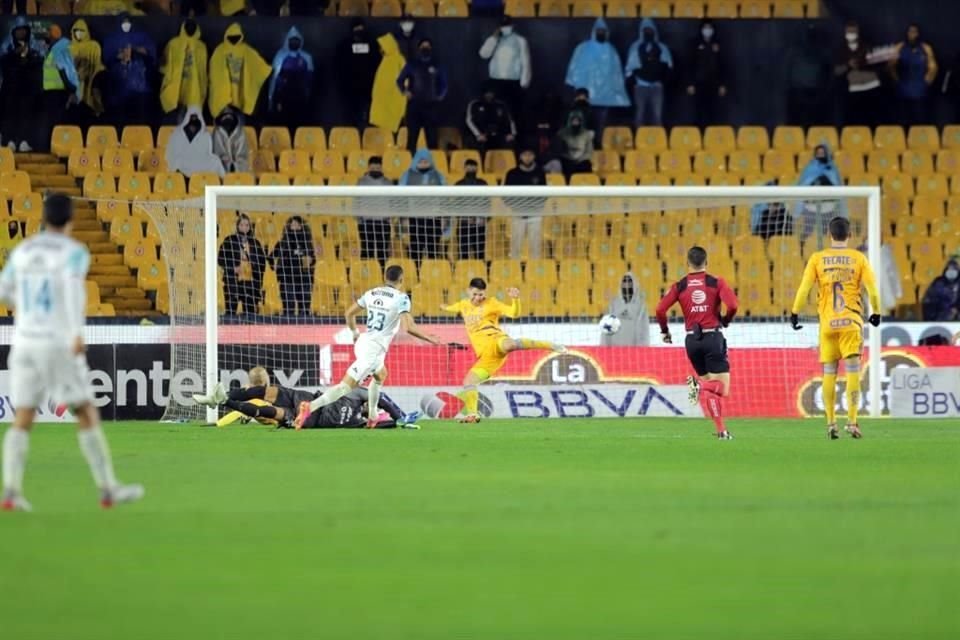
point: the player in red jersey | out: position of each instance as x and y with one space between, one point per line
700 296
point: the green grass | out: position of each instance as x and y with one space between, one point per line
512 529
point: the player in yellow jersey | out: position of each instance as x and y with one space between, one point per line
840 274
481 315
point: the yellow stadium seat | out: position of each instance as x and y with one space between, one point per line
575 272
101 137
139 253
609 271
376 140
895 206
655 9
651 139
310 139
654 180
787 138
897 183
433 270
81 162
584 180
622 9
200 181
863 180
721 8
452 9
883 161
719 139
466 270
948 161
778 161
823 135
236 179
605 162
92 291
689 180
856 138
344 139
440 161
364 274
503 272
151 161
396 162
7 160
274 179
602 249
789 8
401 142
152 275
64 139
520 8
357 160
617 180
353 8
753 138
386 9
928 207
263 161
933 184
686 139
709 162
923 138
275 139
917 163
98 185
541 273
421 8
107 210
723 179
618 139
14 183
640 162
849 162
328 163
163 135
171 186
890 138
688 8
499 161
744 163
26 206
309 180
460 156
755 9
125 230
117 161
673 163
136 138
554 9
293 162
556 180
132 185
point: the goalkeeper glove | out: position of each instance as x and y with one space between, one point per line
874 319
795 322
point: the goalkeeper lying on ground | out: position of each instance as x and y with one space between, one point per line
277 405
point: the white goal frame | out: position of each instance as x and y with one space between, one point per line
213 194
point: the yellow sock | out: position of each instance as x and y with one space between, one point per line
830 396
471 398
853 395
528 343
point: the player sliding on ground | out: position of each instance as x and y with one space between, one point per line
388 310
840 274
44 280
700 296
481 315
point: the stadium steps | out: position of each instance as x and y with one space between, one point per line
107 259
91 237
50 182
43 169
108 270
85 224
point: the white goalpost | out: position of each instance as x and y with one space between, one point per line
584 230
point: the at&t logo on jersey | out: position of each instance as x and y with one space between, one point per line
698 297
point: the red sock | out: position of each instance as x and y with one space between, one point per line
710 402
712 386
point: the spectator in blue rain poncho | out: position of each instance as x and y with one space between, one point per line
649 61
596 66
821 171
291 84
20 32
130 56
425 230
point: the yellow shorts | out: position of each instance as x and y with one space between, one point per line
841 342
490 357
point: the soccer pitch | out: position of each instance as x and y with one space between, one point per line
534 529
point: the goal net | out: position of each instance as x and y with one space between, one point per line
261 276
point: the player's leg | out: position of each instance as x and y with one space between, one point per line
519 344
708 354
96 451
369 358
404 420
829 357
28 385
470 394
373 395
851 367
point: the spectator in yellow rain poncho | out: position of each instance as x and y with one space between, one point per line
184 70
88 59
237 73
388 104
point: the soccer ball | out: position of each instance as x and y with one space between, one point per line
609 324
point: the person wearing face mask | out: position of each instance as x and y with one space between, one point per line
291 85
649 62
130 56
425 230
293 259
490 122
820 171
358 57
387 102
706 83
190 148
185 70
941 302
526 224
863 95
424 83
21 96
237 73
630 306
230 142
243 260
471 230
914 69
510 69
407 37
576 146
374 231
87 57
61 85
596 66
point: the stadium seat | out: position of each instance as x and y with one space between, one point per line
723 179
7 160
928 208
896 183
917 163
125 230
585 180
420 8
438 271
890 138
386 9
170 186
755 9
117 161
453 9
849 162
555 180
364 274
719 139
948 161
789 8
655 9
200 181
98 184
274 180
466 270
139 253
923 138
743 163
609 271
376 140
151 161
688 9
618 139
263 161
622 9
883 161
344 139
520 8
581 8
575 272
328 163
101 137
357 160
673 163
933 184
856 138
293 162
460 156
14 183
310 139
81 162
136 138
309 180
503 272
553 9
163 135
616 179
236 179
779 161
401 142
686 139
91 291
26 206
786 138
605 162
640 162
64 139
651 139
823 135
499 161
396 162
132 185
753 138
709 162
895 205
722 9
275 139
440 161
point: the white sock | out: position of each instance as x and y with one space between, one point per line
16 442
330 396
373 400
93 444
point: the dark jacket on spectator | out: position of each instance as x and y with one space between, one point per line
491 119
426 80
941 302
705 63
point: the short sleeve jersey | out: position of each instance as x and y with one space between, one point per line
384 306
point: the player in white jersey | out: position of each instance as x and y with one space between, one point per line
388 311
44 281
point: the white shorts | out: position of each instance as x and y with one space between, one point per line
38 370
370 358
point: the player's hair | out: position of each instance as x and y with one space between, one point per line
839 228
57 210
259 377
393 273
479 283
697 257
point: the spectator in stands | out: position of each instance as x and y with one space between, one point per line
941 302
527 221
190 148
61 85
243 260
407 37
358 57
425 231
374 232
424 83
193 8
820 171
510 70
649 62
596 66
88 59
131 59
293 260
237 73
706 82
768 219
631 307
471 230
575 146
490 122
185 70
291 86
863 94
230 142
581 103
809 76
387 102
10 237
546 118
22 65
914 69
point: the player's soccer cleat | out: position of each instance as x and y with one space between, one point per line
372 424
121 494
14 502
559 348
693 390
410 425
725 435
832 432
410 419
469 418
853 430
213 399
303 412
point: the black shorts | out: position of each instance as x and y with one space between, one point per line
708 354
290 399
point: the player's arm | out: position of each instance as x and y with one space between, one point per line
729 300
869 281
75 297
667 301
806 283
451 308
8 283
351 317
511 310
408 325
